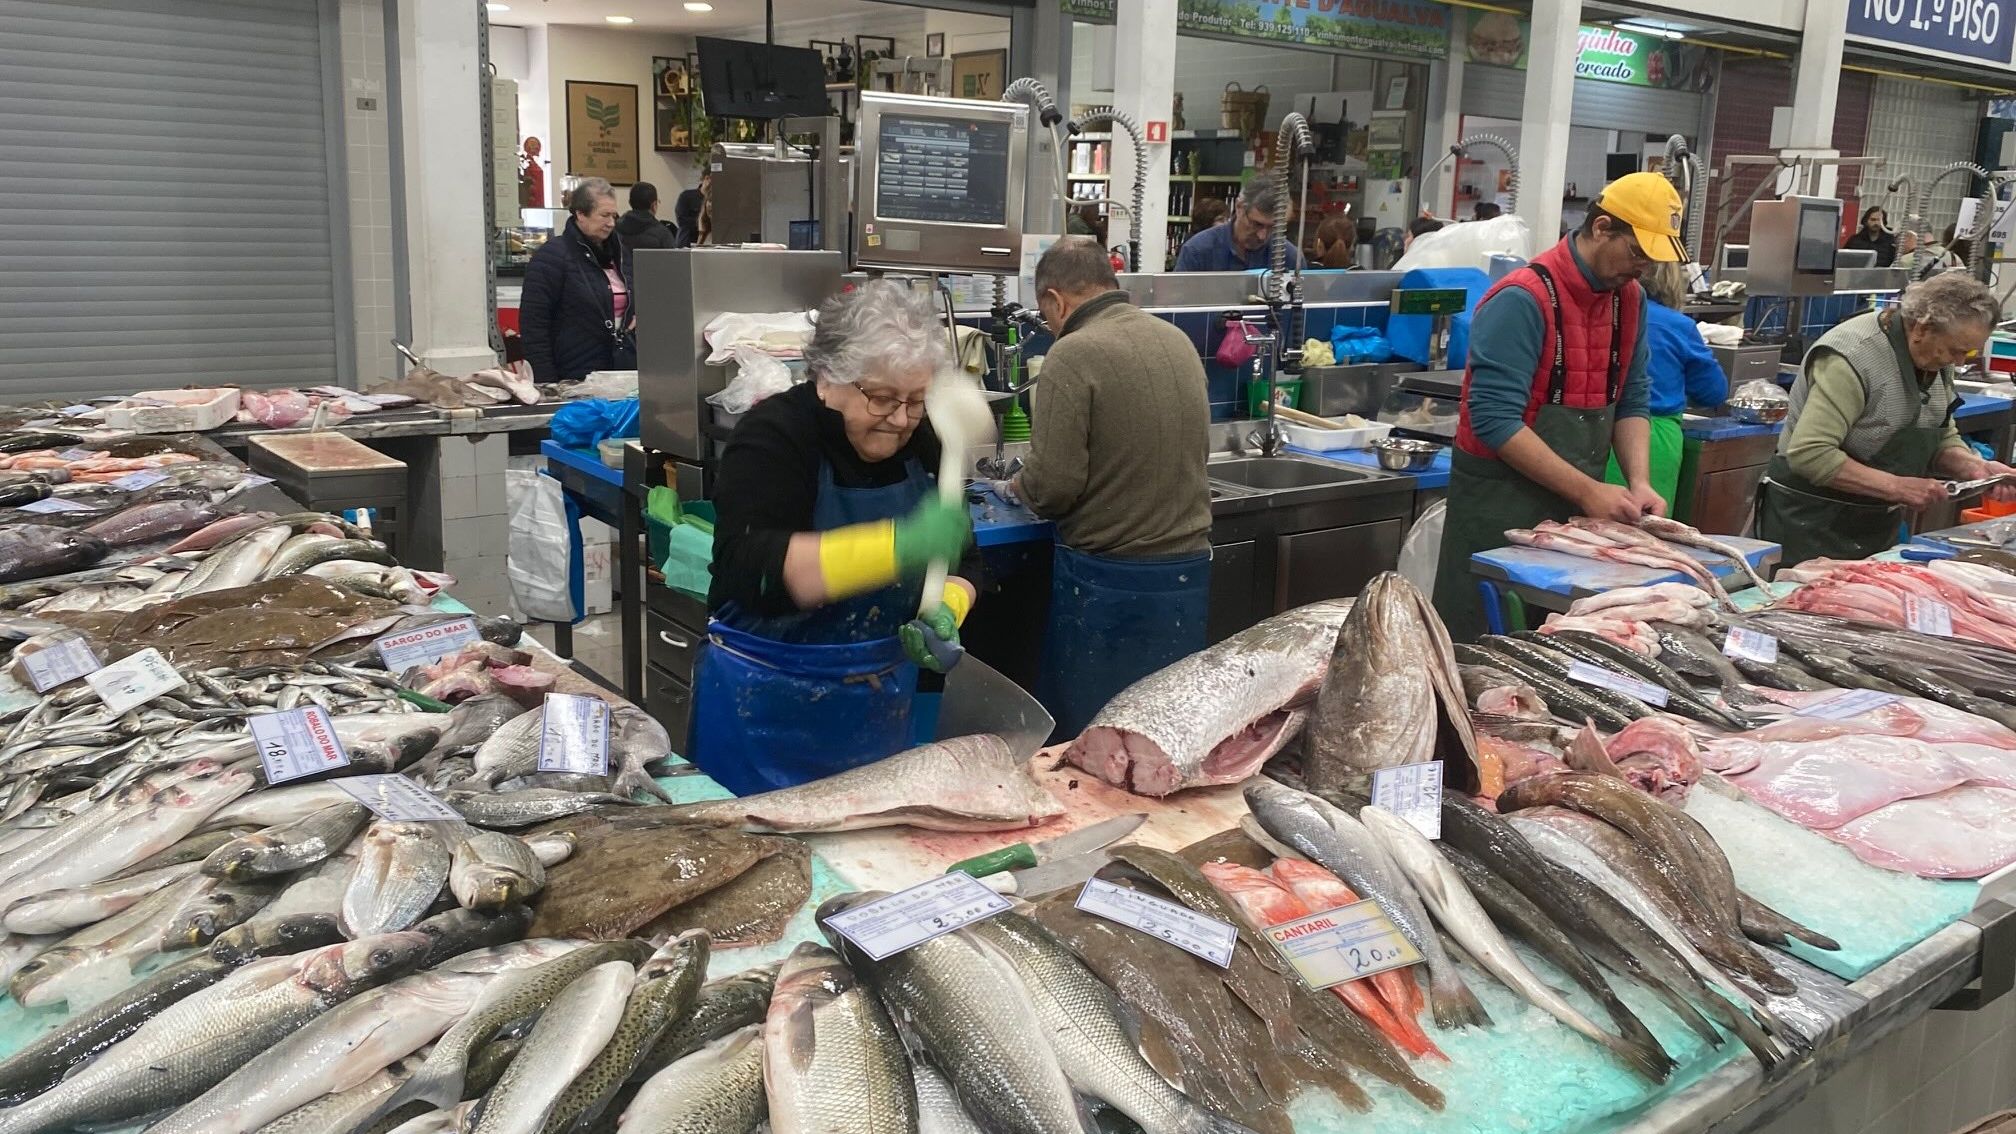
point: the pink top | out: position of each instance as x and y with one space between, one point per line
617 293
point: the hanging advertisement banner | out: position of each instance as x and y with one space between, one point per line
1603 54
1387 27
1966 30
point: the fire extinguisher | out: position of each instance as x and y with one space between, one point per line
1118 257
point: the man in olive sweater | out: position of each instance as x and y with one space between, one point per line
1117 462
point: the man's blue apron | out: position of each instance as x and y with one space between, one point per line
1113 622
781 700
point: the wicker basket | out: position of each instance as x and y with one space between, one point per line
1243 110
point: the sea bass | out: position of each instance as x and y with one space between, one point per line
1217 715
716 1090
832 1060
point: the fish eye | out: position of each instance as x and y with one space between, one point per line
381 956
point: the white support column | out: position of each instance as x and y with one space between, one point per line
1544 116
1816 85
1445 116
1040 47
440 137
1144 84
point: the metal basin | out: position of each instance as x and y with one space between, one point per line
1274 474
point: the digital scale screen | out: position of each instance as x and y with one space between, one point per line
1430 301
942 170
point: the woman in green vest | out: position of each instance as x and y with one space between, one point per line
1871 424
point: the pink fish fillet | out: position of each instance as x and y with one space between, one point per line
1928 721
1823 784
1658 755
1962 832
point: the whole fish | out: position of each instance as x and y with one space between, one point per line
457 932
1567 701
967 783
668 984
635 740
473 721
1343 847
59 911
289 933
753 909
621 878
217 531
94 960
1681 696
938 1109
400 870
832 1060
716 1090
289 847
1082 1018
144 522
1673 531
1684 649
1557 664
511 751
491 869
525 808
290 561
1458 912
1213 717
722 1007
1392 690
237 565
318 890
338 1113
200 919
31 551
118 837
572 1029
193 1044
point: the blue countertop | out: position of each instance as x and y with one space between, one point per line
1573 576
996 522
584 461
1435 475
1723 429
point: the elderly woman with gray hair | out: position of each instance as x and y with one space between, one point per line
1872 423
827 516
574 311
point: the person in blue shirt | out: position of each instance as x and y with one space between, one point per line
1240 244
1683 372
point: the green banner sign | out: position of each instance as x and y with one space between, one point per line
1386 27
1604 54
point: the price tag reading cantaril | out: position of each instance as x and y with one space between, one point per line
299 742
887 926
396 799
58 662
1928 616
574 735
134 680
427 645
78 454
145 478
1850 704
1181 926
55 504
1596 675
1414 793
1344 944
1751 645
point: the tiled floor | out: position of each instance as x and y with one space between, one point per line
598 644
1936 1075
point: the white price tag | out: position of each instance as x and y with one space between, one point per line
73 411
908 918
145 478
55 504
396 799
1414 793
1596 675
78 454
134 680
255 481
427 645
1181 926
1928 616
62 661
1853 703
574 735
299 742
1344 944
1751 645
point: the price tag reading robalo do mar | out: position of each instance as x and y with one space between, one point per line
296 742
1344 944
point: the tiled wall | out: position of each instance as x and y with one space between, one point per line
367 171
1935 1075
1765 315
1748 90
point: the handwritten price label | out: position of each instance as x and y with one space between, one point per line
134 680
145 478
54 504
427 645
1751 645
54 664
1181 926
396 799
1851 704
1928 616
1596 675
905 920
574 735
299 742
1414 793
1342 945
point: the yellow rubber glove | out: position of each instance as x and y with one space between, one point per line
860 558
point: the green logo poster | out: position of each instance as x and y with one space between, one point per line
1391 27
1604 54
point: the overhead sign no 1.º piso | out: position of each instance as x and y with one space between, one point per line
1976 31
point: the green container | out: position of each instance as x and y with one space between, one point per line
1256 396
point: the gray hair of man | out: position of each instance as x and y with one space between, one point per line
1260 195
1075 266
879 325
582 200
1951 300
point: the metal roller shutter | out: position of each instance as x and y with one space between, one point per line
1498 92
165 212
1920 128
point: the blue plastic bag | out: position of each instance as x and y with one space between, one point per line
1354 345
1409 333
582 424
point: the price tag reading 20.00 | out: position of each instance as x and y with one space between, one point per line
1344 944
887 926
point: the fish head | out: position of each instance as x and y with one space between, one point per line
810 976
365 962
684 953
237 859
43 968
496 887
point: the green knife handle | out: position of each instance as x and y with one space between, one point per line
1021 856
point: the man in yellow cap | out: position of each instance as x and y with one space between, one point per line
1556 383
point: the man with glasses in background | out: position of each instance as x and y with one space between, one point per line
1240 244
1556 383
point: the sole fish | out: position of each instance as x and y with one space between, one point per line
621 878
754 909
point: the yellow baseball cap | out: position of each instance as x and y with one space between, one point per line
1651 206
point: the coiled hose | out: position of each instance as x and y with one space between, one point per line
1511 153
1983 218
1033 94
1684 170
1125 121
1292 140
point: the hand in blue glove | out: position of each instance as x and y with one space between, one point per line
932 642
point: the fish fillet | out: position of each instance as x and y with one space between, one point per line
1962 832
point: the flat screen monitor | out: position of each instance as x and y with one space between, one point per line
1735 257
940 184
740 79
940 169
1819 225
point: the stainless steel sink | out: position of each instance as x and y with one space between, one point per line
1277 473
1242 484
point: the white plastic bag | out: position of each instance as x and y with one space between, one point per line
1760 390
1469 244
1422 548
541 550
757 376
783 333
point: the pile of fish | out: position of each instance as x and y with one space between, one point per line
1621 615
1889 594
1654 541
483 388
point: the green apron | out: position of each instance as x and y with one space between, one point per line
1487 497
1664 447
1811 521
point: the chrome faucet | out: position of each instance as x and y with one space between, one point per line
1262 338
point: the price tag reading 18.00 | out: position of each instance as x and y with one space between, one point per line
426 645
574 736
1414 793
1596 675
58 662
134 680
299 742
1928 616
1181 926
396 799
887 926
1751 645
1344 944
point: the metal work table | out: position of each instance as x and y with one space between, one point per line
596 491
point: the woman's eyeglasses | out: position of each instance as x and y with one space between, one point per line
882 405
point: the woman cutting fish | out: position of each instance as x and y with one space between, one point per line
828 518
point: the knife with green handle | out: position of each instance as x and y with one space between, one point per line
1021 857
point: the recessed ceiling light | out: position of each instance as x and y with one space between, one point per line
498 7
699 7
619 19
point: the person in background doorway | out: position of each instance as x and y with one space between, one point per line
531 177
686 215
1683 372
1419 227
1487 210
1117 462
1240 245
1336 244
574 311
640 227
1873 236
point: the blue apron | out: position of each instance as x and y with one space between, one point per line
1113 622
781 700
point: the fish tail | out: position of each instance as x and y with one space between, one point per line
1650 1060
1454 1005
1366 1002
633 779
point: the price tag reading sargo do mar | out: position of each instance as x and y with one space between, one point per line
296 743
887 926
134 680
426 645
1344 944
1181 926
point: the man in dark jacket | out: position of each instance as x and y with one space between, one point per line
640 227
574 311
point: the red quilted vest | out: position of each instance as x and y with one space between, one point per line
1581 324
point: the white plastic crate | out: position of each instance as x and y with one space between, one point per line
1332 440
174 411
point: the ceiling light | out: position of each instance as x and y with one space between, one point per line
1651 29
498 7
619 19
699 7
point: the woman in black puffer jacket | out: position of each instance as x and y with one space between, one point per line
574 312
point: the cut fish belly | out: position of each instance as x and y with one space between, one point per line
1915 717
1962 832
1826 783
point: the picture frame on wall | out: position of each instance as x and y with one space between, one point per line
673 103
1384 134
934 45
980 74
1396 94
602 132
670 76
